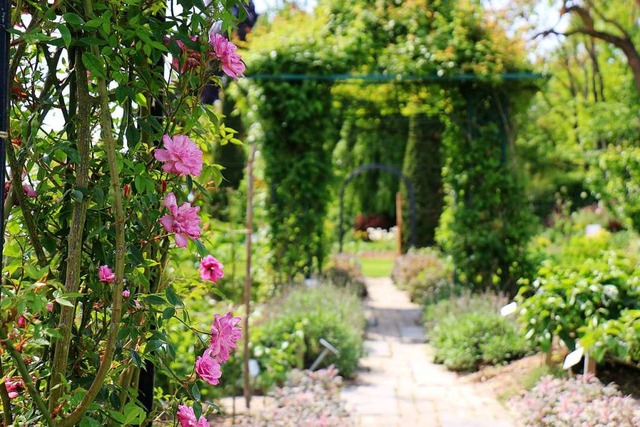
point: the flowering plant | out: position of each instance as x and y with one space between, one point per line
115 158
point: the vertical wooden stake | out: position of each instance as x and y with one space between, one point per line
399 221
247 281
589 364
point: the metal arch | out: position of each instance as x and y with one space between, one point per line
387 168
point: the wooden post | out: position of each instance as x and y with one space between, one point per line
399 221
589 364
247 282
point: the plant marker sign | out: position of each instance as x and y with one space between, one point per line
508 309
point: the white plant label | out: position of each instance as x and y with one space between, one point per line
509 309
573 358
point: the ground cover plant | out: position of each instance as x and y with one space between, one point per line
557 402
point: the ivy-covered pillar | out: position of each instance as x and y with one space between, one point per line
487 222
296 147
423 166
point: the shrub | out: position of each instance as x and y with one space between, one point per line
461 303
288 336
578 401
345 271
466 341
424 274
568 296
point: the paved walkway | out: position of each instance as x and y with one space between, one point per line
399 386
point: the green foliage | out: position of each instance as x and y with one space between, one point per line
423 166
583 291
466 341
487 224
296 140
327 312
616 181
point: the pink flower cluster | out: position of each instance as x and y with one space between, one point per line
211 269
180 155
14 386
224 337
187 418
225 51
183 221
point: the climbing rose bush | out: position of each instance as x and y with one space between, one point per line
112 146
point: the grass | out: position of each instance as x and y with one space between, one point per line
377 266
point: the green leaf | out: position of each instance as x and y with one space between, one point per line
172 297
135 357
155 300
65 33
94 64
195 391
168 313
73 19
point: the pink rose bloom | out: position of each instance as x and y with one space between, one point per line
28 190
22 322
136 303
224 335
211 269
180 155
50 306
187 418
14 386
105 274
225 51
208 368
126 293
182 221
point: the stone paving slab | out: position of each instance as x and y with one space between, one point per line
398 385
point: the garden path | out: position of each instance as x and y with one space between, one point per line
398 385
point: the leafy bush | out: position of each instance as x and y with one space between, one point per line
288 335
424 274
578 401
461 303
568 296
466 341
345 271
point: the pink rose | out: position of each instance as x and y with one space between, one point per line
22 322
180 155
187 418
105 274
208 368
14 385
211 269
224 335
225 51
182 221
126 293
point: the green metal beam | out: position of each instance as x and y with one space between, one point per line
382 78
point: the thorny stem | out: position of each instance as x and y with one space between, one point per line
116 310
76 232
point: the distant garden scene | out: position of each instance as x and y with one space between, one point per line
210 209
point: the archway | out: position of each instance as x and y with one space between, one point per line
387 168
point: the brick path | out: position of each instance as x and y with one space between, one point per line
399 386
